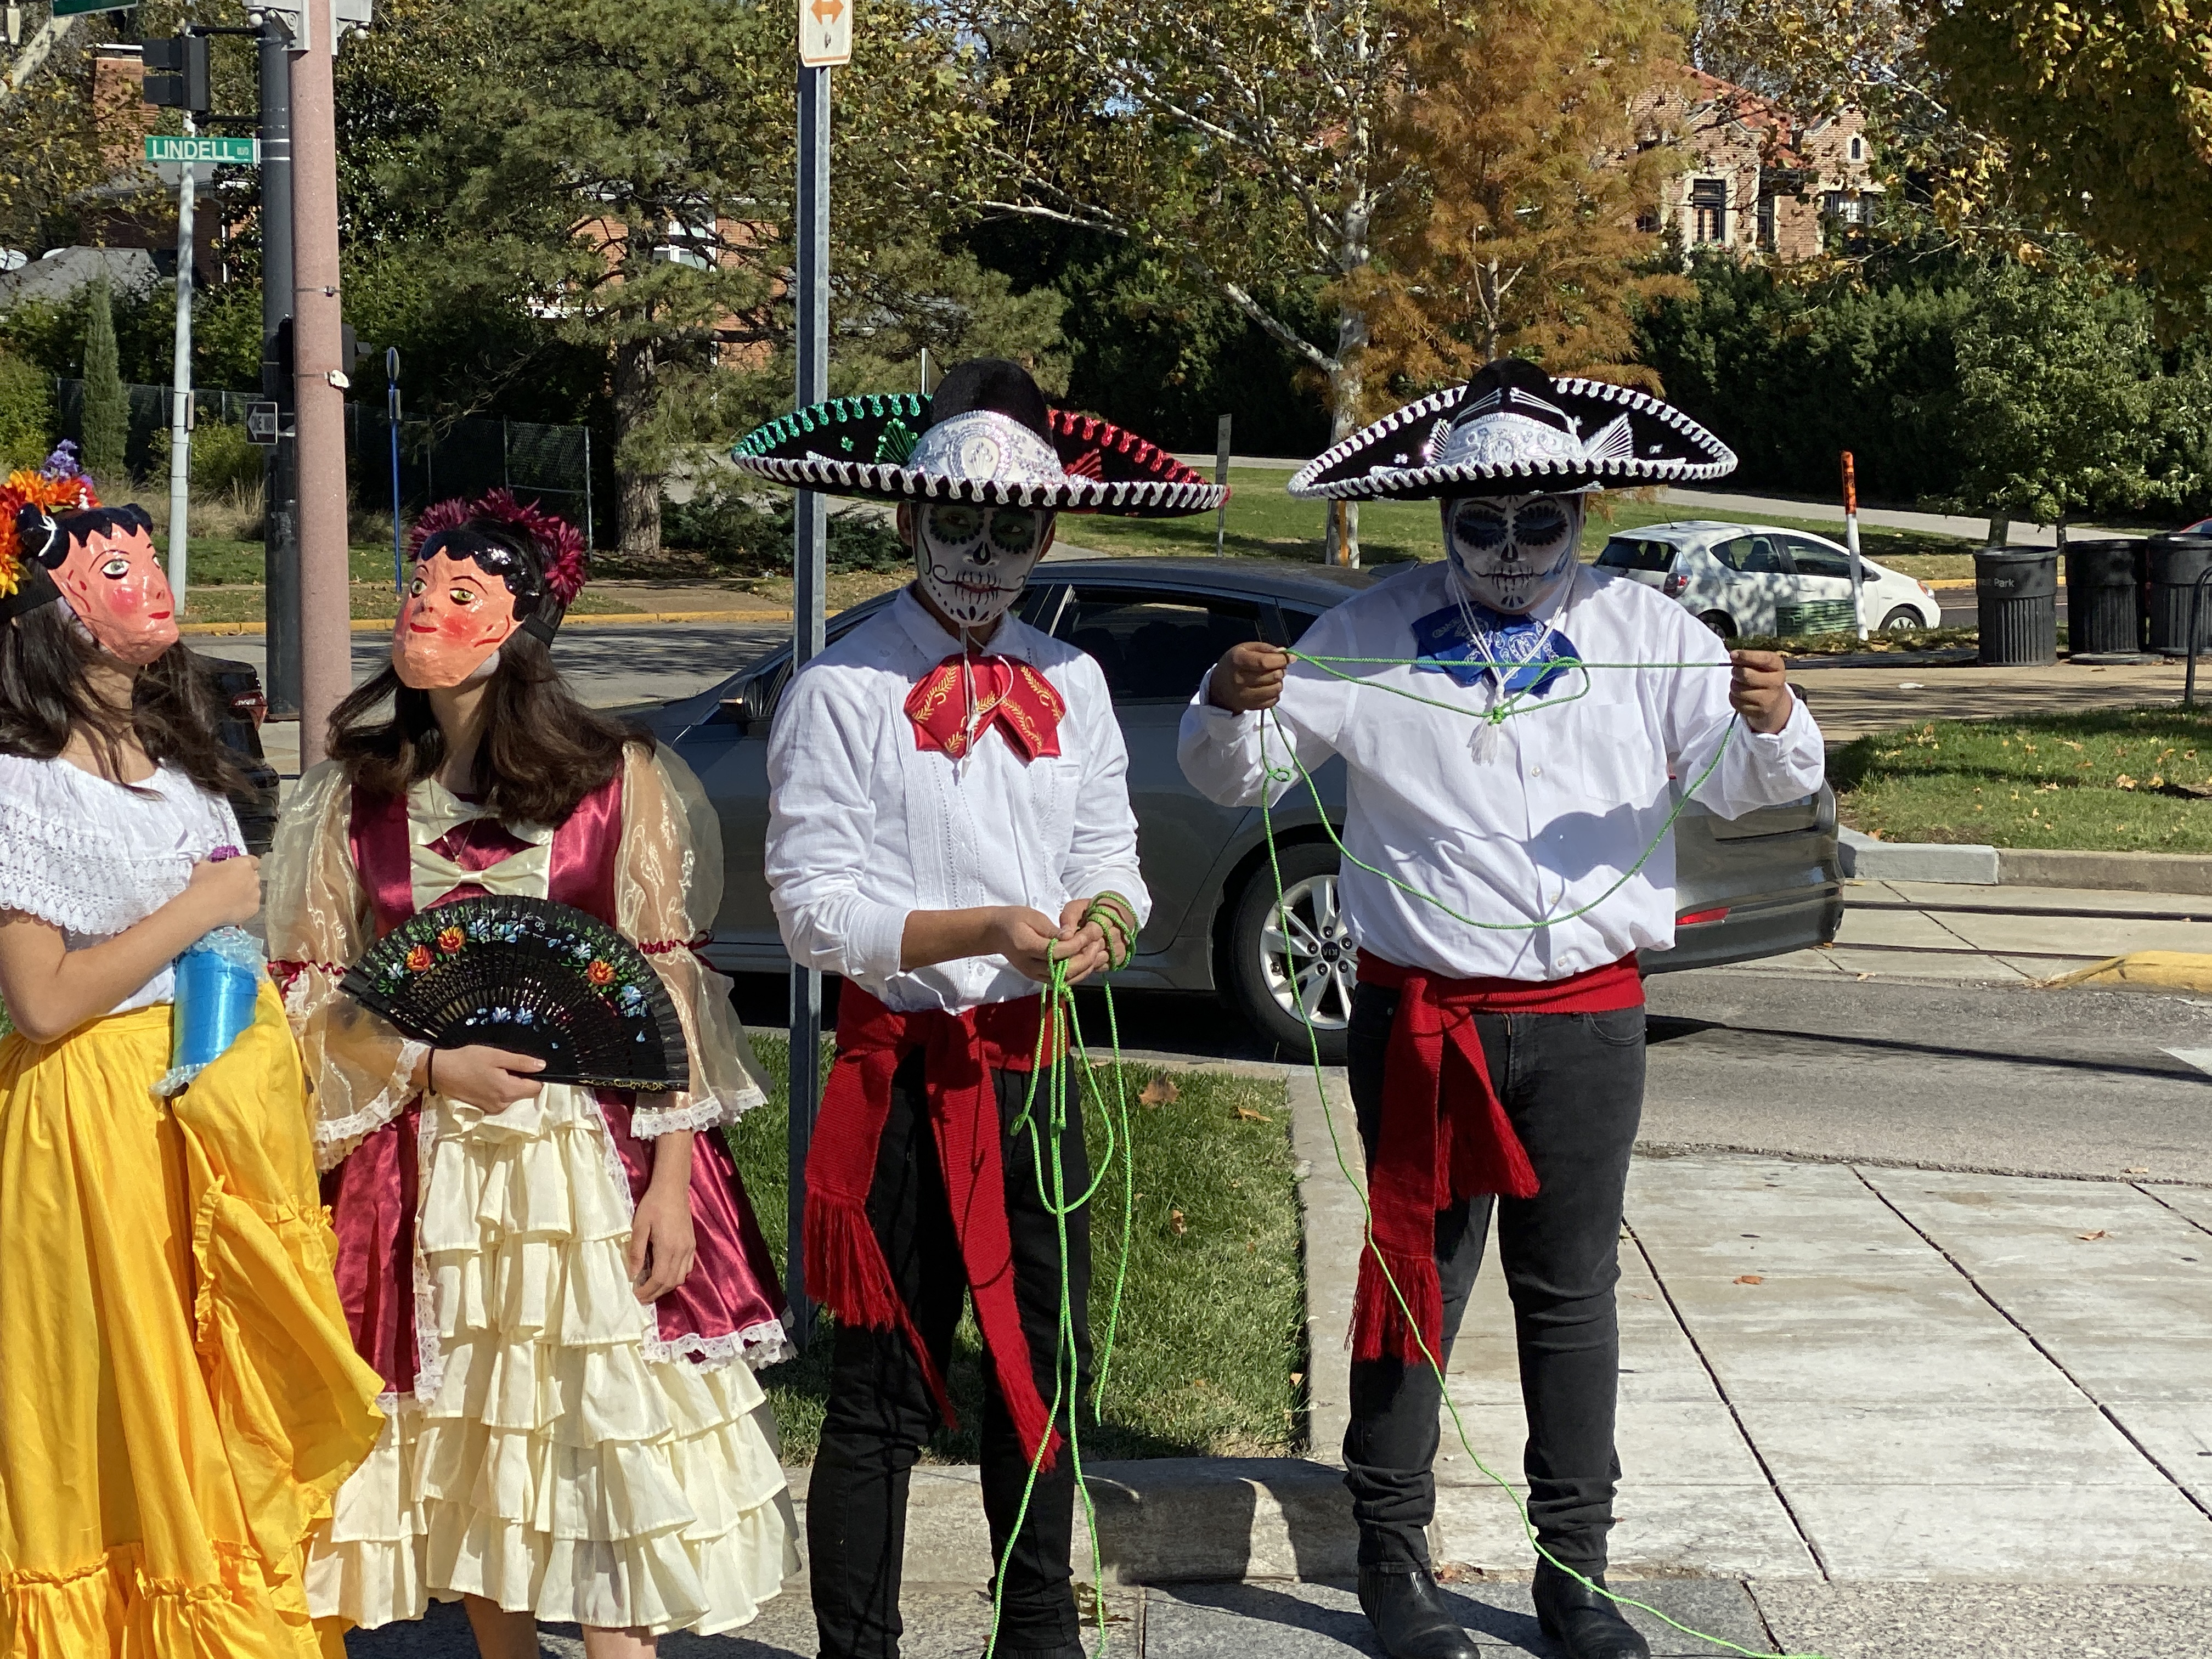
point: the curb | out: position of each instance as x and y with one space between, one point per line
2144 971
1865 858
604 619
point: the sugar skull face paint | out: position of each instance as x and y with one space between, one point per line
1512 552
456 614
113 582
973 561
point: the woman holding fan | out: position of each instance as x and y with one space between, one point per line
563 1288
180 1399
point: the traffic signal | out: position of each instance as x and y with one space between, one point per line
182 81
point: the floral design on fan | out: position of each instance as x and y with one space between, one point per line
600 973
418 959
450 940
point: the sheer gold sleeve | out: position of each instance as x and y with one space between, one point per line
358 1066
668 887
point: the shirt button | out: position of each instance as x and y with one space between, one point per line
1535 771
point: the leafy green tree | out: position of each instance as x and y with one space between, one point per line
1276 153
2105 115
2060 397
27 412
107 406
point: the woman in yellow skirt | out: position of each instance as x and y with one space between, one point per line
179 1394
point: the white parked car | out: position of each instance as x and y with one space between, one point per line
1758 579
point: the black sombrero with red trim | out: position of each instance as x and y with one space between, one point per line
986 436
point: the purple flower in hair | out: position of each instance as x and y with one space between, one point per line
62 464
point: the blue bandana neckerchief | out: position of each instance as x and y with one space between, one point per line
1520 651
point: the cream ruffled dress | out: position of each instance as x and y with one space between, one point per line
551 1445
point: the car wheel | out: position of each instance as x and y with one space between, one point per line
1721 623
1903 620
1275 970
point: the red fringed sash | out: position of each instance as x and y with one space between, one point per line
1010 695
1444 1135
845 1267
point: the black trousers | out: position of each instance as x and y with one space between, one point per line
1573 1085
880 1413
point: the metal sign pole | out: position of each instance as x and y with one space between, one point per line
181 398
1221 477
280 515
391 419
808 572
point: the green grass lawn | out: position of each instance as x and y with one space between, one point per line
1263 520
2117 781
1210 1352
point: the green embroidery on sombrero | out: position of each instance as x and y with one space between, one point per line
895 443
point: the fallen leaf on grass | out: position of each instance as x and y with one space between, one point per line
1158 1093
1246 1115
1176 1224
2123 781
2100 1233
1751 1279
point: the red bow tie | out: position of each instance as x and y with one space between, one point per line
1010 695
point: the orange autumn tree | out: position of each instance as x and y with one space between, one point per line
1528 121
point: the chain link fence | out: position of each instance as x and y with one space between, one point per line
549 465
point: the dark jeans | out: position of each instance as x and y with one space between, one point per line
880 1413
1573 1085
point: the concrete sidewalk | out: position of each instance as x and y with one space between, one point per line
2002 935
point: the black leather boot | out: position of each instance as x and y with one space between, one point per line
1409 1615
1585 1624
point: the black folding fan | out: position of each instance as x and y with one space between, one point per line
531 975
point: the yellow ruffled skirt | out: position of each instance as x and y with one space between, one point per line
543 1460
179 1396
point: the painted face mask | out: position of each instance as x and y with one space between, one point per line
453 620
1512 552
114 583
972 560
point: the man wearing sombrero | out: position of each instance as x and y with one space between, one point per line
948 816
1507 822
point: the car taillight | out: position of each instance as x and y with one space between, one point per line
1697 917
1674 585
250 705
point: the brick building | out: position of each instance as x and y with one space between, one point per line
1759 182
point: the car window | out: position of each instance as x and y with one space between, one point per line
1752 555
1636 553
1154 647
1811 559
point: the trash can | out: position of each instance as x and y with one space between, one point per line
2176 564
2104 610
2016 600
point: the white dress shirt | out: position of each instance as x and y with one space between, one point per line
1520 823
865 826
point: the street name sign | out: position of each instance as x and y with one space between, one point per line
825 32
81 7
211 147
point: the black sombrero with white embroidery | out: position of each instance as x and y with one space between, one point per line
986 436
1513 430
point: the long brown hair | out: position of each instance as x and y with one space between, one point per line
541 753
46 668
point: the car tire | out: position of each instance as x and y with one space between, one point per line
1258 981
1722 624
1903 620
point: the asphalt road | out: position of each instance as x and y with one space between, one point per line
2068 1082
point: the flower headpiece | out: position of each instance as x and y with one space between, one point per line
552 548
59 486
